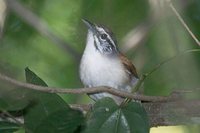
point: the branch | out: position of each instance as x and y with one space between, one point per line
9 117
173 113
40 26
160 113
88 90
165 113
100 89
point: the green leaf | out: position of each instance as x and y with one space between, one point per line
31 77
108 117
49 113
13 100
8 127
61 121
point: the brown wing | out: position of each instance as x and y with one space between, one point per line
131 70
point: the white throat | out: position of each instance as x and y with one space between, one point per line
99 70
90 48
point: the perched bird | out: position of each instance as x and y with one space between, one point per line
102 63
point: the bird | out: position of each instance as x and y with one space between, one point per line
103 64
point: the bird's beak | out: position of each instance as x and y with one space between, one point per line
90 26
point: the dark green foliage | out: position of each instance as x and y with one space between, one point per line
49 113
108 117
8 127
13 99
21 45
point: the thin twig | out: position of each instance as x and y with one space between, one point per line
144 76
19 122
183 22
41 26
82 107
84 90
170 59
101 88
3 14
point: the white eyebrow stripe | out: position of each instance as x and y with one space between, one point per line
110 39
102 30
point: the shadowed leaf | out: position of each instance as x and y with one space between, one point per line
8 127
49 113
108 117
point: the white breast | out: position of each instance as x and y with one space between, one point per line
99 70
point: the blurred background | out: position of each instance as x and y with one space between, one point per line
49 38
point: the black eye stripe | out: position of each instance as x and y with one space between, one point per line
105 42
108 40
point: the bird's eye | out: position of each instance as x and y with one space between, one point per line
103 36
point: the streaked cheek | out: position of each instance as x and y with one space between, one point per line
107 49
